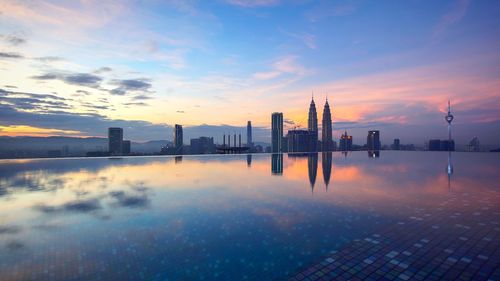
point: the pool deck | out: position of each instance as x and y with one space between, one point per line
457 240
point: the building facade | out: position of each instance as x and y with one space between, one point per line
326 129
115 141
396 145
373 140
312 126
276 132
299 140
249 134
126 147
202 145
178 138
345 142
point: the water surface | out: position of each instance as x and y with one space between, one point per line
228 217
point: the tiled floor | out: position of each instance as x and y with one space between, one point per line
458 240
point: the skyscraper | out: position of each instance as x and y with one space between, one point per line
202 145
276 132
396 145
126 147
299 140
249 134
178 138
115 141
373 140
326 128
312 126
345 142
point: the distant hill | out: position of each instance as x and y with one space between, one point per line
14 147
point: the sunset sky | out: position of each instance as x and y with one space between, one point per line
75 68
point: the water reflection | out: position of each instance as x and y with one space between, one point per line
190 218
373 153
178 159
277 164
312 168
449 170
326 166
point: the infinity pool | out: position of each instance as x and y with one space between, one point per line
403 215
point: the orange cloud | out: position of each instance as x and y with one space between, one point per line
14 131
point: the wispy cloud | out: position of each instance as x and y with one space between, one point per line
13 39
130 85
327 9
308 39
80 79
456 13
49 59
89 13
8 55
284 65
253 3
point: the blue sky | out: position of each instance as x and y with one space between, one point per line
146 65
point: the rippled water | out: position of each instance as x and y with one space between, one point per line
228 217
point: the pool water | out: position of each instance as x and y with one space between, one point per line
250 217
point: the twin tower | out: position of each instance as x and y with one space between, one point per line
326 127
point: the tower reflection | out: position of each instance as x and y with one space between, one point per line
345 154
249 160
277 164
373 153
449 170
326 165
312 167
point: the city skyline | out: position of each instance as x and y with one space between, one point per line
394 74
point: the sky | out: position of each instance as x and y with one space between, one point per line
75 68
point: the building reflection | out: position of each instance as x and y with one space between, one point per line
277 164
312 167
345 153
249 160
178 159
449 170
373 153
326 166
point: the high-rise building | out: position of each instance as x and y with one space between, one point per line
326 129
126 147
473 145
434 145
178 138
373 140
312 126
447 145
249 134
345 142
299 140
115 141
276 132
202 145
441 145
396 144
